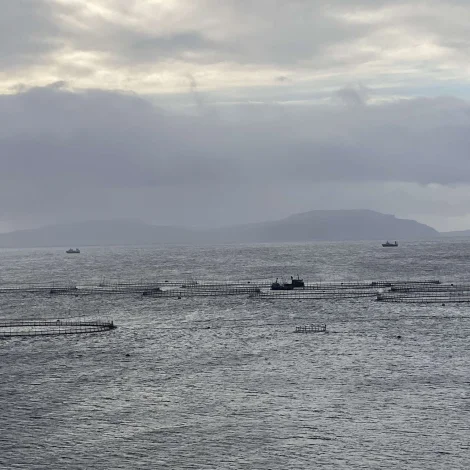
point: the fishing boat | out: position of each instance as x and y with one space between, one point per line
284 286
297 282
387 243
72 251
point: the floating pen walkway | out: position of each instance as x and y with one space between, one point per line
203 292
431 288
35 288
10 328
313 295
425 297
192 288
366 284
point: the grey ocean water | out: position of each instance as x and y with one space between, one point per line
246 392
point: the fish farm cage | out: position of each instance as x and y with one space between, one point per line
310 329
229 287
426 297
431 288
414 291
12 328
313 295
202 292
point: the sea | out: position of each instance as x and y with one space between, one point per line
224 382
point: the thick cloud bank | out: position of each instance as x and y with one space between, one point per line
68 155
232 45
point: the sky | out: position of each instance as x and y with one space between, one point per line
209 113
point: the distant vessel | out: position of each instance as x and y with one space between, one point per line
288 286
389 244
297 282
284 286
71 250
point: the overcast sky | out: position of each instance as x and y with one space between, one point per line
210 112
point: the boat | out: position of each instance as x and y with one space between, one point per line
72 251
284 286
288 285
297 282
387 243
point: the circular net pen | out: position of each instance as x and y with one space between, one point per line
11 328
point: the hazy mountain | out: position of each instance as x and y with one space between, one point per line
112 232
315 225
333 225
457 233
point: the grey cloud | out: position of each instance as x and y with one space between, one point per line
282 33
99 138
154 48
30 31
58 148
120 45
286 34
353 96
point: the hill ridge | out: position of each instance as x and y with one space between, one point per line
317 225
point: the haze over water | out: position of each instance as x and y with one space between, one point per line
223 383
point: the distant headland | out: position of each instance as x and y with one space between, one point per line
317 225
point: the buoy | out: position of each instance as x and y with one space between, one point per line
398 336
128 355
